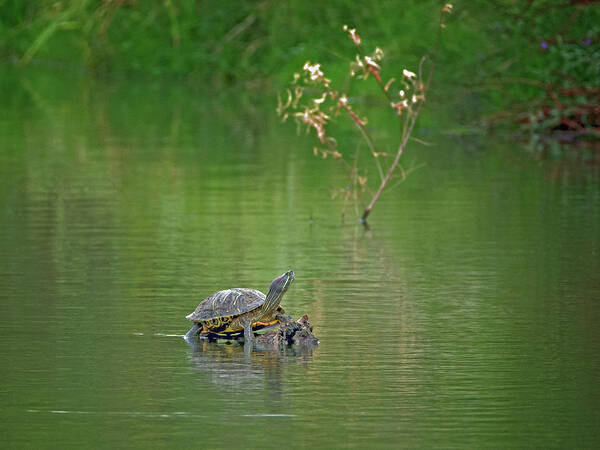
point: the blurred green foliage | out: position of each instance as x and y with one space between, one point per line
542 69
224 41
507 53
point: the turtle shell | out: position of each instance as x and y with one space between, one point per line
227 303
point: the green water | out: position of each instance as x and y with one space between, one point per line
466 317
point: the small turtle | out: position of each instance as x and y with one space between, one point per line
227 313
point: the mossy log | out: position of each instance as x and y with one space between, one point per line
289 332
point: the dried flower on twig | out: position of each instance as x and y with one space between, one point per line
353 34
399 106
315 73
313 102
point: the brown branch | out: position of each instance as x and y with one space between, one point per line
391 169
411 119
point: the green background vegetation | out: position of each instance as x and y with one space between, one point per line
504 48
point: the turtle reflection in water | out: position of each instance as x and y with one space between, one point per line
229 313
226 365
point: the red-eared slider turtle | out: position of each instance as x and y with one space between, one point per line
227 313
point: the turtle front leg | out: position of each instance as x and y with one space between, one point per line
194 331
248 334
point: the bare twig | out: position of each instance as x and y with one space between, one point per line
406 102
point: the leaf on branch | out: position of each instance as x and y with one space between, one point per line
408 74
320 100
371 63
357 120
375 74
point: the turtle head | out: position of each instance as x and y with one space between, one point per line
279 286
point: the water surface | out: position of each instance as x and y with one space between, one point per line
466 316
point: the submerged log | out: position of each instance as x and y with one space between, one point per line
284 331
290 332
